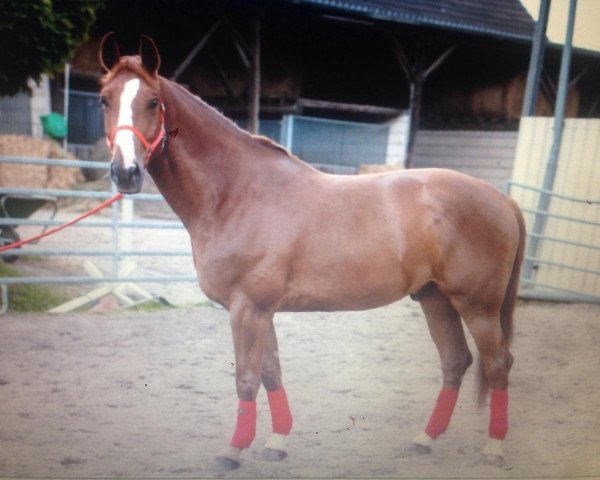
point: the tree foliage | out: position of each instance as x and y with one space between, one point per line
39 36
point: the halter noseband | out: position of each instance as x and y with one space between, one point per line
149 146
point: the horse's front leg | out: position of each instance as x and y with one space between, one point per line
250 327
281 417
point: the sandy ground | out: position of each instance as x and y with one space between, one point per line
152 395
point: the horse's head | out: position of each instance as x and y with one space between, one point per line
133 110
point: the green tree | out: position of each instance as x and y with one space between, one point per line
39 36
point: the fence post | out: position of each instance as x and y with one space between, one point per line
286 137
66 103
115 234
537 60
539 223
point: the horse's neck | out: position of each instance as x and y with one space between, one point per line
206 161
183 172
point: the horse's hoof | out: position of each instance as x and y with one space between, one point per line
493 453
275 450
229 458
421 444
226 463
272 455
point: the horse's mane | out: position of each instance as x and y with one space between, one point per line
227 123
134 64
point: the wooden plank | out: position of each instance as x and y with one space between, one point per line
486 155
461 139
199 46
474 154
479 172
457 163
347 107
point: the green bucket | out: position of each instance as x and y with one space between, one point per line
54 125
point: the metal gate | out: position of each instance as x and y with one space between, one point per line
567 264
115 245
333 143
563 222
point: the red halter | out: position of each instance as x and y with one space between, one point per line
149 146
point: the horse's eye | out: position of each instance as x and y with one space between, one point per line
103 102
153 104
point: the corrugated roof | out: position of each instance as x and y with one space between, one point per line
500 18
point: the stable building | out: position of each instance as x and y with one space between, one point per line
407 83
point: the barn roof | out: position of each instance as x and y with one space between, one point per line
506 19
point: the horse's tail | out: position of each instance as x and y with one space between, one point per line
510 299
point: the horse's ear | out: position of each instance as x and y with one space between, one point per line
149 54
108 52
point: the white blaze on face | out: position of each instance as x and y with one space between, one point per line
124 139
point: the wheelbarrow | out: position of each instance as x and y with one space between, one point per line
19 207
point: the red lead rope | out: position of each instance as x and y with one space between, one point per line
106 203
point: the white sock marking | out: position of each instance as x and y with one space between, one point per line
124 139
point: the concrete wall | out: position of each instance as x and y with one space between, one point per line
40 104
15 114
397 140
20 114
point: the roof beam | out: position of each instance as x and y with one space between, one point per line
199 46
348 107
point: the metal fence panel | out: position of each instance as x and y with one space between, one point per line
118 246
566 264
333 142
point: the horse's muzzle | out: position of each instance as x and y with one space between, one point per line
127 180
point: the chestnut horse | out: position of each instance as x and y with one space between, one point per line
269 233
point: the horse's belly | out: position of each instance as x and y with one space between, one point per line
349 286
311 302
362 258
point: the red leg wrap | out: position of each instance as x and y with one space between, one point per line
442 412
281 416
245 429
499 414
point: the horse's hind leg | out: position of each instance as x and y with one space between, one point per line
496 361
447 333
281 417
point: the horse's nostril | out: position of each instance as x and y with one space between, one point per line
114 173
120 173
127 180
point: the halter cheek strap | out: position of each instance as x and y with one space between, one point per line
149 146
